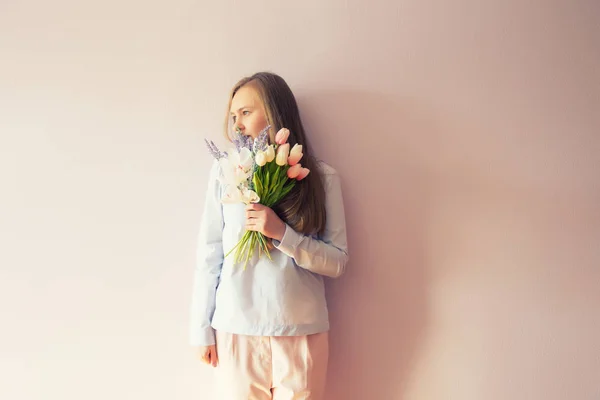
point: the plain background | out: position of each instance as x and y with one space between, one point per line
467 137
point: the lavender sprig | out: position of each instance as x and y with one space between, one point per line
214 150
240 141
262 140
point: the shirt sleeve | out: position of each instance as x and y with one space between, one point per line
209 260
328 255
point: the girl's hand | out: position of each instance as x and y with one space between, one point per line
263 219
208 354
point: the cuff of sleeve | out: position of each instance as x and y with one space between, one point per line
289 242
205 337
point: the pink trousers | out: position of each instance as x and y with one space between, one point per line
271 367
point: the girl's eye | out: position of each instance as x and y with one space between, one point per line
233 118
246 112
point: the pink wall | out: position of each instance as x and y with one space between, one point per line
467 136
469 140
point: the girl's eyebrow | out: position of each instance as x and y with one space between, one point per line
239 109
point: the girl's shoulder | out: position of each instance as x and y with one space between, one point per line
329 175
325 169
214 171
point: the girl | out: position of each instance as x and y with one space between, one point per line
265 327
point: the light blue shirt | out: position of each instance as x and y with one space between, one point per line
282 297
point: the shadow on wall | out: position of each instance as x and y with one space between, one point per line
379 308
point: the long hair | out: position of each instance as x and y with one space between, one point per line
303 208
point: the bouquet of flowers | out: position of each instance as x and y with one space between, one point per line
258 172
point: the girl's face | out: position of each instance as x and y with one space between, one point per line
247 112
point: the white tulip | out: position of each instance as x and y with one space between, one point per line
283 152
261 158
270 153
249 196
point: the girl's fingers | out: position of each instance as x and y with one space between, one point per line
214 359
208 355
205 357
253 214
254 206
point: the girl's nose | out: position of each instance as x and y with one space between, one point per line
238 127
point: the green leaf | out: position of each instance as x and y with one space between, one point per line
267 182
258 186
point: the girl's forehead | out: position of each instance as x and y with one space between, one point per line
246 96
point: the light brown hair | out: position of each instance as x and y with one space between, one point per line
303 208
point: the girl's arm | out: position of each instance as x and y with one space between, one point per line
209 258
329 255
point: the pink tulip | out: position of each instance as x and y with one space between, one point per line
295 154
282 136
294 170
302 174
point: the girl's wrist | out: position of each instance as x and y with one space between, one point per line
280 232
